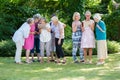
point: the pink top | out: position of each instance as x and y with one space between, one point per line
29 42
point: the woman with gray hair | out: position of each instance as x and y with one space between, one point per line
19 38
100 31
36 47
59 38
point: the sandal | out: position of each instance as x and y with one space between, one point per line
64 61
18 62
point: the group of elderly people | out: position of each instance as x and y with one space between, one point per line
38 35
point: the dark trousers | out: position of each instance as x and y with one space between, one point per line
36 45
59 50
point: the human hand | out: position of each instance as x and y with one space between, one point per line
59 42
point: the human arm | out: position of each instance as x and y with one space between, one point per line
25 30
61 34
91 25
82 26
101 26
47 27
74 27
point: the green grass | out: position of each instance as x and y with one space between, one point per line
51 71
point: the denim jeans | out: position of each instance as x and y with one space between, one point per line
36 45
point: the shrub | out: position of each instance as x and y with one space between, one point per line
113 47
112 21
7 48
68 32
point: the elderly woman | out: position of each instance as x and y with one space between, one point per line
88 40
36 47
19 38
100 31
59 38
45 39
76 37
29 43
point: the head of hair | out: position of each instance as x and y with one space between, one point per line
54 18
97 16
29 20
75 13
88 13
44 19
53 15
37 16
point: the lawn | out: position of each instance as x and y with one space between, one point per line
51 71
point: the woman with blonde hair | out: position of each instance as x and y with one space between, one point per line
100 31
88 39
76 37
59 38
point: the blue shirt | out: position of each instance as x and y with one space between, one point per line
99 34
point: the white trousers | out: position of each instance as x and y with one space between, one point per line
43 46
18 52
102 49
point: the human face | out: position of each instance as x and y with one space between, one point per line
87 16
96 20
36 20
55 22
32 22
42 21
77 17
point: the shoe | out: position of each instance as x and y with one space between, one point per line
52 60
76 61
38 60
57 61
90 62
100 63
64 61
28 62
18 62
82 61
85 62
33 60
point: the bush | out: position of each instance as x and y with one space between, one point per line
113 47
112 21
68 32
7 48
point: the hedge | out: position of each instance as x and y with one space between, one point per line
7 48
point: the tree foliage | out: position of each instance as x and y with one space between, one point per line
14 12
113 21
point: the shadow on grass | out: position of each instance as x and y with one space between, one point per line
52 71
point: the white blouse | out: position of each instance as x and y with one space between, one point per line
57 29
21 33
45 35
